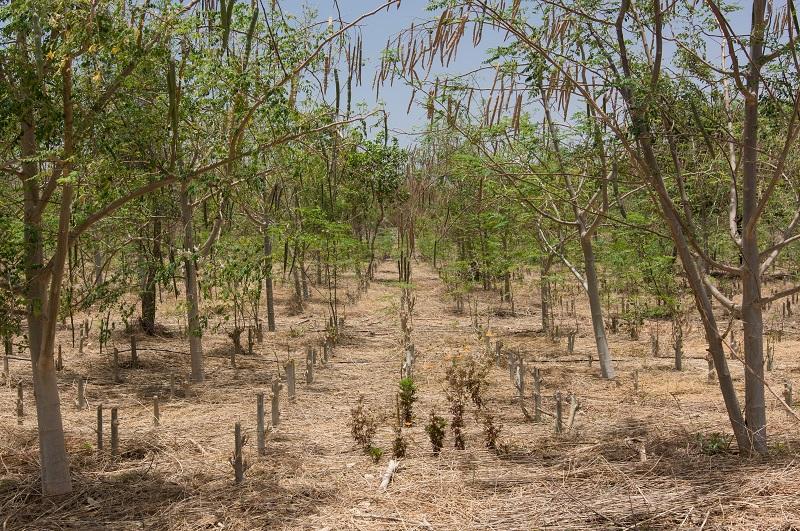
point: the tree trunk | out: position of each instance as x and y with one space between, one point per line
596 308
149 283
702 300
755 409
41 326
268 279
192 292
544 290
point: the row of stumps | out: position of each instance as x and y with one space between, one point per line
517 373
313 360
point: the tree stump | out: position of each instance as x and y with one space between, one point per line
558 424
537 395
238 462
59 360
574 406
114 433
20 405
156 412
309 366
290 379
81 393
261 436
276 404
99 429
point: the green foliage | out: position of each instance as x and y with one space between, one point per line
408 395
435 428
399 445
375 453
715 443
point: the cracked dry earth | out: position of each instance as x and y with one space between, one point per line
178 476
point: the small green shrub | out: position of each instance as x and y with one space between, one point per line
714 443
375 453
408 395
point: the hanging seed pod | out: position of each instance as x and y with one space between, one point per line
349 93
411 101
338 89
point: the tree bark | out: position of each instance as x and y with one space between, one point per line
755 408
596 308
149 283
192 292
544 290
40 316
268 279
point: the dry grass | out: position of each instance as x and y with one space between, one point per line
177 476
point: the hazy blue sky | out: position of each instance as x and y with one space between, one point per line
385 25
376 30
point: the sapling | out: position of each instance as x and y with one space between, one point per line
375 453
457 422
408 395
436 430
491 431
399 445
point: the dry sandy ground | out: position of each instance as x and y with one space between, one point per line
178 476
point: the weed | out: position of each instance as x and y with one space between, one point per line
375 453
714 443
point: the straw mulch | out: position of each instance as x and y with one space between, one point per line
178 475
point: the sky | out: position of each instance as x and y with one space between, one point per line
375 31
384 25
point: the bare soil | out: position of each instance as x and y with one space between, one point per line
178 475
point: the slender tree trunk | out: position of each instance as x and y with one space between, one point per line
544 290
268 279
304 276
98 267
192 292
596 308
41 308
370 272
701 297
755 408
149 283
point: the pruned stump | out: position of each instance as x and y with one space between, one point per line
276 396
114 433
99 428
261 435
